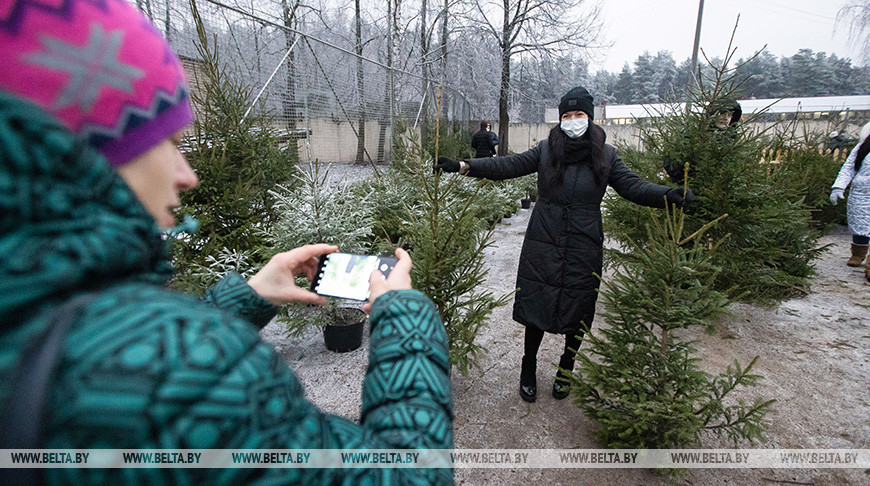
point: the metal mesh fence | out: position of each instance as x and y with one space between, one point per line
339 106
342 107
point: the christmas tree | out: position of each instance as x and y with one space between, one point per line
768 254
448 243
640 380
238 159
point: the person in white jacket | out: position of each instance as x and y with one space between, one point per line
857 174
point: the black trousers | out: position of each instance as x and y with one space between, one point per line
533 339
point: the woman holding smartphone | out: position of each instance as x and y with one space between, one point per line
562 249
92 104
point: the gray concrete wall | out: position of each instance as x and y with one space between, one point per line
332 141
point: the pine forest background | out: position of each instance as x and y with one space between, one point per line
372 68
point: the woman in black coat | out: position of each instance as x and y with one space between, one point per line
483 142
562 249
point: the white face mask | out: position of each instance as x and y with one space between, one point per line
575 127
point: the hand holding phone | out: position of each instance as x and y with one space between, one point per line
347 276
399 279
274 282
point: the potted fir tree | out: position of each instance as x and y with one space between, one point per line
320 212
345 333
529 187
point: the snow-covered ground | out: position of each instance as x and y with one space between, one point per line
812 353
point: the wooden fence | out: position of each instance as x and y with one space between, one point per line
772 156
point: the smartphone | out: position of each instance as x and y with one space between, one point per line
346 275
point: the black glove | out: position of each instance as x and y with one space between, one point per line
675 196
445 164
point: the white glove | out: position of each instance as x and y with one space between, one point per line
836 194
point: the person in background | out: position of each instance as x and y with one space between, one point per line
93 102
723 114
557 283
492 135
484 141
837 141
855 172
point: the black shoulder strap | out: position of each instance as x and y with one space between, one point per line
22 418
863 150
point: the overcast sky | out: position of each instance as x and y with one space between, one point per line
784 25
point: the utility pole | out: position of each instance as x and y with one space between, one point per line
694 64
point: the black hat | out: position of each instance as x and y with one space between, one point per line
577 99
726 105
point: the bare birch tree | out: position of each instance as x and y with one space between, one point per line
857 15
539 28
360 83
290 103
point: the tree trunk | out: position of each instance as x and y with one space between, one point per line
504 88
259 54
361 119
167 24
503 93
145 6
289 105
384 121
395 50
257 47
424 111
446 96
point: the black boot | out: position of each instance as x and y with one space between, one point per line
561 387
528 382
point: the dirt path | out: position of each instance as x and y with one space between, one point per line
813 355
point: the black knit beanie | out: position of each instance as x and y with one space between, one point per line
726 105
577 99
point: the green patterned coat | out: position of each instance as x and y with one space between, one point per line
144 367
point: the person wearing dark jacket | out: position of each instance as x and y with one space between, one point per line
562 250
484 141
492 135
92 103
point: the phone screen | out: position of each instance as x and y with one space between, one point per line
347 275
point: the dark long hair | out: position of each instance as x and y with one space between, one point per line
593 139
863 150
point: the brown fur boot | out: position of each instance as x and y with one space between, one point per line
858 254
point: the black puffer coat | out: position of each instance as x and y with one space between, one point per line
562 249
482 143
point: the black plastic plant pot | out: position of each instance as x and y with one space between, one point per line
527 203
345 338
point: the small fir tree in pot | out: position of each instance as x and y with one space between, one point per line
319 212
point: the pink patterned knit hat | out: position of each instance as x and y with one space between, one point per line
99 66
